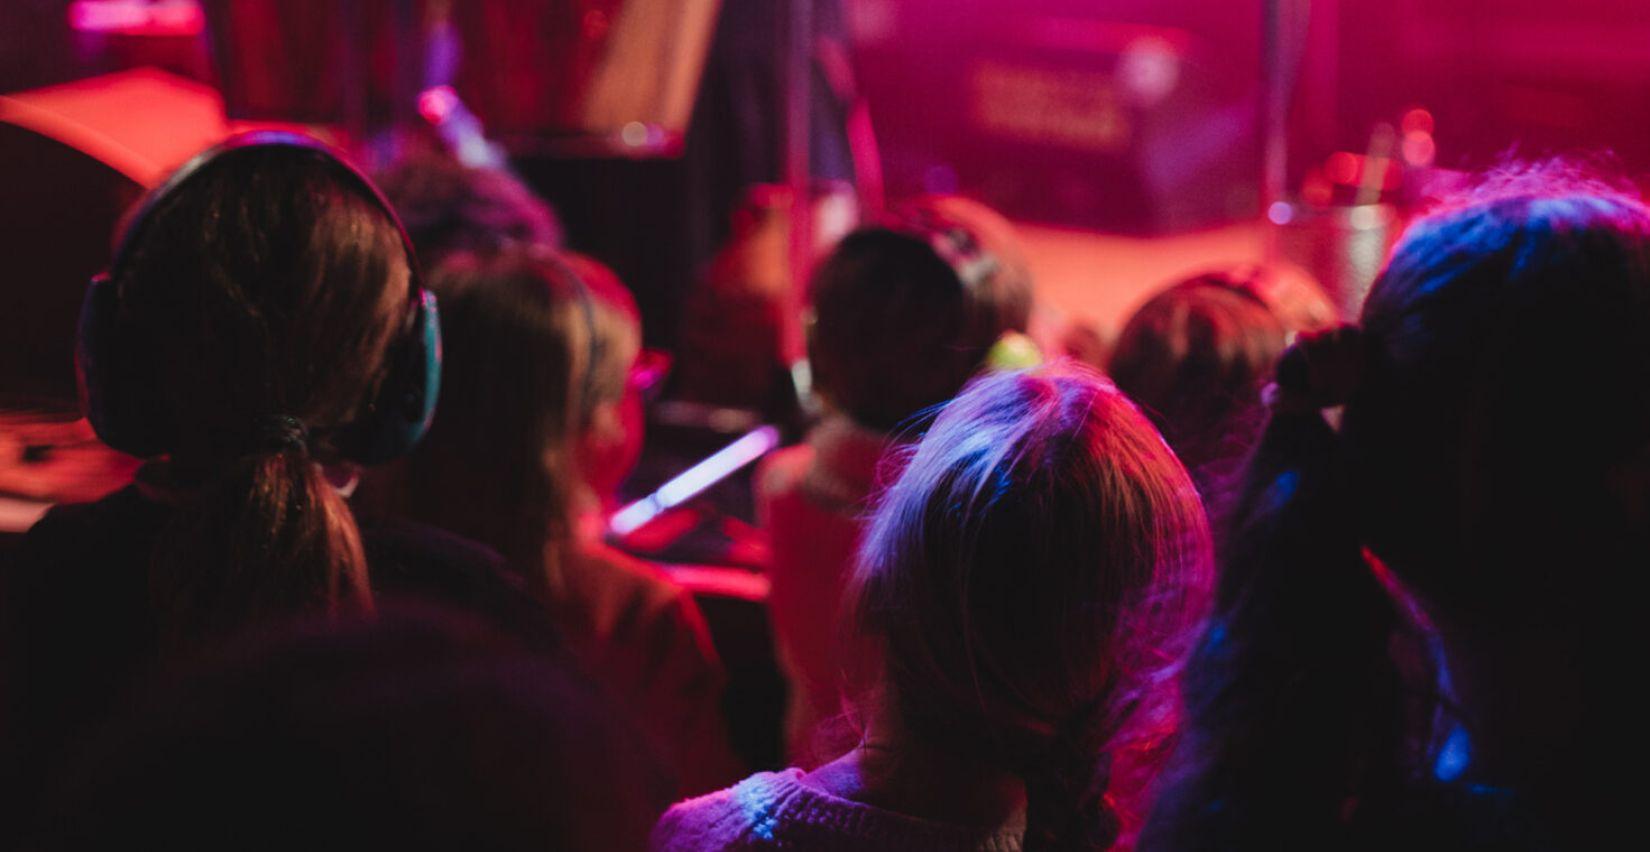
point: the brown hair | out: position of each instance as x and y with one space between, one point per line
528 356
1030 580
1195 358
266 290
897 327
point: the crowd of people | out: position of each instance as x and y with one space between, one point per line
1244 581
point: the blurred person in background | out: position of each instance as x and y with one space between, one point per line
903 315
1195 358
536 426
1026 590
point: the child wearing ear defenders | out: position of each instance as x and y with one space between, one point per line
260 332
903 315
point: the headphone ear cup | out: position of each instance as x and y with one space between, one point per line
110 379
400 415
1013 351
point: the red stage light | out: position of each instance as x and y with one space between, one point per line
1343 167
1417 120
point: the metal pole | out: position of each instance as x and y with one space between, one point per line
798 170
1274 123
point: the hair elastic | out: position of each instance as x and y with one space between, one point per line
280 433
1321 370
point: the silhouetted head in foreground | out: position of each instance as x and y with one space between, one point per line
418 730
906 312
1409 645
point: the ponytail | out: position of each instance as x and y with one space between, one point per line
264 290
1291 700
1069 805
268 536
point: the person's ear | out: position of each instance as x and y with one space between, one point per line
606 427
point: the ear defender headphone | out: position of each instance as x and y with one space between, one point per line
116 382
960 249
1242 281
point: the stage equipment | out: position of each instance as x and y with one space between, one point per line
584 77
797 104
1123 116
1550 77
357 65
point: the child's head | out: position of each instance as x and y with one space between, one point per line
538 349
1195 358
1029 579
247 330
905 313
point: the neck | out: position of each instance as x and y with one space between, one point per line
895 772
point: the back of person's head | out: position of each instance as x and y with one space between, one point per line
248 330
1497 414
1195 358
612 419
529 358
732 346
906 312
1516 321
416 729
450 207
1028 582
995 234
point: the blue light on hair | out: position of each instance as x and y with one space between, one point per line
1283 488
1454 756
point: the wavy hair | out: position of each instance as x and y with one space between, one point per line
1028 583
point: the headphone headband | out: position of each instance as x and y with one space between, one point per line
1243 281
953 242
117 388
137 222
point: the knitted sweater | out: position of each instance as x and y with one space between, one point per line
775 810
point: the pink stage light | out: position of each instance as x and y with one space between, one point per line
436 104
174 18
